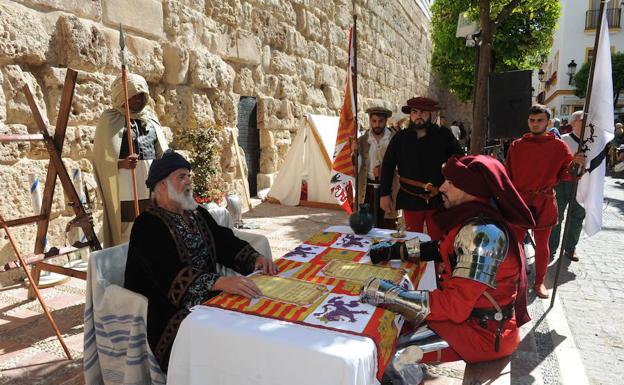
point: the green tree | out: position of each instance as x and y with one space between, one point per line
514 35
617 72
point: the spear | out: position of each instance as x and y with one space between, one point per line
124 81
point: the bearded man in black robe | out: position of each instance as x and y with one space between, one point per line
178 256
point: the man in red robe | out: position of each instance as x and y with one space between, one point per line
536 163
475 313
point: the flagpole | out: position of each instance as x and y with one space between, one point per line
355 113
580 149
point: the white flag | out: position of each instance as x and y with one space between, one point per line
598 133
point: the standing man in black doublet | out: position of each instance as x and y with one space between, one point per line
418 153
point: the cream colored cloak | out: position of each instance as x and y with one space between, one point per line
106 148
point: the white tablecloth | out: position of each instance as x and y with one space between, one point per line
220 347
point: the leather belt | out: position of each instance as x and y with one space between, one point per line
545 191
428 187
500 315
492 314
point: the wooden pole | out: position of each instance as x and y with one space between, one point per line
33 285
124 81
239 162
580 149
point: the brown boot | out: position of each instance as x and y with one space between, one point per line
571 255
540 290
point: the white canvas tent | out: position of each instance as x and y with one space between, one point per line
310 158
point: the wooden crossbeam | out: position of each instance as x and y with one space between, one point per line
24 221
56 168
4 138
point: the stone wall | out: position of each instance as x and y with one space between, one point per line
199 57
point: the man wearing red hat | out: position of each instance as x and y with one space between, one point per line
418 153
475 313
536 163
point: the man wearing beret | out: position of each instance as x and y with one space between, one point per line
179 257
418 154
372 148
475 313
536 163
113 162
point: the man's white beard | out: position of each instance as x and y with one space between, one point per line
184 198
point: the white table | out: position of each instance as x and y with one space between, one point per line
221 347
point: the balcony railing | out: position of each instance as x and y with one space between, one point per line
614 16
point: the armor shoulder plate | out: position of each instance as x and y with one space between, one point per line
481 245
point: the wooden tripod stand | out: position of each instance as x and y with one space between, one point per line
54 146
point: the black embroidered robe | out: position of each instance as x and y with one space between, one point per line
174 263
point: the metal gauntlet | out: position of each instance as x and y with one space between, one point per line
413 304
407 251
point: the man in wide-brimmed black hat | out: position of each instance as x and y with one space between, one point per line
418 153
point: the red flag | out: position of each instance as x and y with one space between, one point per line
343 171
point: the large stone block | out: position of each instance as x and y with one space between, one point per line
142 16
86 9
314 97
176 61
265 180
325 75
92 48
224 106
282 63
307 70
333 97
340 58
11 152
239 47
91 95
269 157
183 108
289 88
17 109
312 27
145 57
337 36
296 43
224 12
83 45
2 100
79 142
209 71
16 179
318 53
185 19
244 83
23 38
267 138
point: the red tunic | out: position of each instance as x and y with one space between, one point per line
456 297
536 164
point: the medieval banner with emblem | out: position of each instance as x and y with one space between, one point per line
343 172
598 134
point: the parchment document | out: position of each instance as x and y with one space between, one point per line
289 290
360 272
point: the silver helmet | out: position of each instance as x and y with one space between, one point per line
480 245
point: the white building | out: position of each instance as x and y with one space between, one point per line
573 43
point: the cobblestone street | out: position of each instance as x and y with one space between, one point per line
592 293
